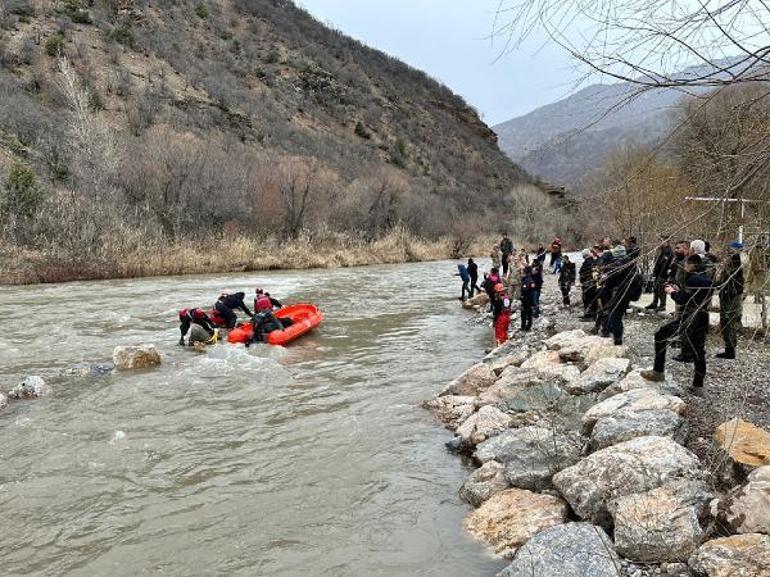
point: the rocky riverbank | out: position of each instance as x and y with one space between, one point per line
586 469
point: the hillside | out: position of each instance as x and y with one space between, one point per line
245 115
564 140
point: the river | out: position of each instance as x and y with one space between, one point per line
308 461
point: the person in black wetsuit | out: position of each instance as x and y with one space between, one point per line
473 272
264 322
196 316
228 303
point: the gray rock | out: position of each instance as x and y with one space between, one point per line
88 370
570 550
514 359
599 375
548 365
472 382
737 556
565 339
661 525
451 410
531 455
480 426
627 425
483 483
636 400
135 357
198 335
30 388
634 380
628 468
746 509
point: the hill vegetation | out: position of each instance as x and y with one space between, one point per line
130 128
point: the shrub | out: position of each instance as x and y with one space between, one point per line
202 11
361 131
23 193
54 45
77 11
122 35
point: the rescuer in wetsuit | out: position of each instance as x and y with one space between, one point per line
193 316
228 303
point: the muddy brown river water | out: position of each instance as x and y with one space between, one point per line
308 461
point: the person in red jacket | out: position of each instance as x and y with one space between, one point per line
501 313
196 316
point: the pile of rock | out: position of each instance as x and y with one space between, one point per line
583 468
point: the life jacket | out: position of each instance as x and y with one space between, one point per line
262 303
192 314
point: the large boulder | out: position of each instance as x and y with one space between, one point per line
599 375
628 468
745 443
514 359
531 455
661 525
510 518
452 410
746 509
636 400
485 423
472 382
635 380
549 365
736 556
565 339
198 335
483 483
30 388
510 384
135 357
626 425
567 550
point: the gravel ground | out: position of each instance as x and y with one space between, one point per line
739 388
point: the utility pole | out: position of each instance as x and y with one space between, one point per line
743 202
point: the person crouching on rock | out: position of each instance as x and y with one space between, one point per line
501 313
264 323
692 324
227 304
528 294
194 316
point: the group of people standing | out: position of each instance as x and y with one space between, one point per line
687 272
610 280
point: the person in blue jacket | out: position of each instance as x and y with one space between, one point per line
462 272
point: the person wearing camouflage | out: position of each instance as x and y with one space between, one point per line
731 300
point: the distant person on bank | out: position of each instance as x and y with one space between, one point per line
501 313
528 292
556 256
567 276
731 287
664 257
465 277
473 272
495 256
506 249
588 285
537 279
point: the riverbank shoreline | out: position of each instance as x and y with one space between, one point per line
232 255
573 445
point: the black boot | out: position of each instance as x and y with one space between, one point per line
181 341
681 358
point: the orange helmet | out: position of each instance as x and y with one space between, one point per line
499 288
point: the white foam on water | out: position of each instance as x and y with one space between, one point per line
117 436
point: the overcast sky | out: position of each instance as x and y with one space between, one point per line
450 40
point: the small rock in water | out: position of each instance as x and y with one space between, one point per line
117 436
135 357
30 388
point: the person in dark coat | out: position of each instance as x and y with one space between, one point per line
692 325
506 248
528 289
537 278
664 257
462 272
473 272
731 286
567 276
227 304
588 285
616 279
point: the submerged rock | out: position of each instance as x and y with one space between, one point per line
88 370
736 556
746 509
745 443
135 357
30 388
599 375
451 410
626 425
483 482
568 550
531 455
661 525
472 382
510 518
636 400
628 468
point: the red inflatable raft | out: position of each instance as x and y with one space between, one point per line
305 317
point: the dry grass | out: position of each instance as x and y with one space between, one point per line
238 254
